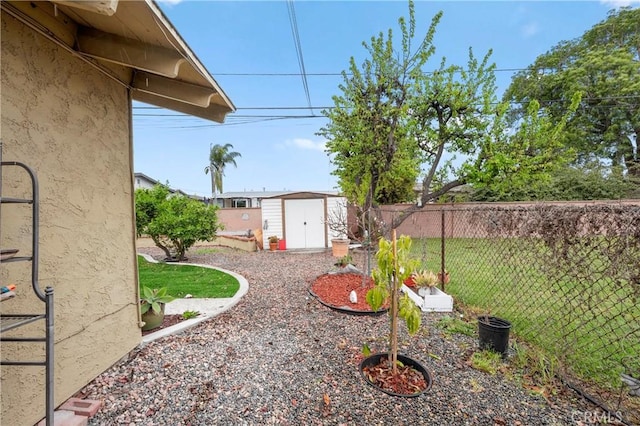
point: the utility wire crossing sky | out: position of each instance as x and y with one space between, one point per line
281 62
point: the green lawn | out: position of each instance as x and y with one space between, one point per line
590 324
181 280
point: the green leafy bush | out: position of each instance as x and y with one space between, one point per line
174 222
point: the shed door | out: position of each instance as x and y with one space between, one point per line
304 223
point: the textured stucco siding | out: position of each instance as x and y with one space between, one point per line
71 124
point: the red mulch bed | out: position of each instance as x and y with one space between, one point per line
168 321
334 290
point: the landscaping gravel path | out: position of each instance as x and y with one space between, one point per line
280 357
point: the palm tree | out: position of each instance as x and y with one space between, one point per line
219 157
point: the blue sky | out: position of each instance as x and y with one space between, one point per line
255 37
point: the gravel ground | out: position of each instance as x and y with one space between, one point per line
280 357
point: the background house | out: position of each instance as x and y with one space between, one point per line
248 199
142 181
70 71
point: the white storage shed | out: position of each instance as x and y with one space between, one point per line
300 218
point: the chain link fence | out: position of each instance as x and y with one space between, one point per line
566 276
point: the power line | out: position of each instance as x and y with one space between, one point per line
334 74
276 108
254 108
236 123
298 46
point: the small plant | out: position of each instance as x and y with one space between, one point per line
273 239
190 314
394 266
153 299
425 279
539 366
486 361
475 386
345 260
366 351
452 325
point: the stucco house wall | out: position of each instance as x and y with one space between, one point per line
71 124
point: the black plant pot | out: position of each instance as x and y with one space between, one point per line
375 360
493 334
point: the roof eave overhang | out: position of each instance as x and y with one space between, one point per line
137 37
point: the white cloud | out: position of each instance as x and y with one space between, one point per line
530 29
170 2
306 144
619 3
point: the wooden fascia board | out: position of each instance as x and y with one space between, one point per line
195 62
48 17
213 112
129 52
103 7
173 89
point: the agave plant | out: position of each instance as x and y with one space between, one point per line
425 279
153 299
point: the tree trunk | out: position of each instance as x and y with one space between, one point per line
213 184
426 196
394 308
163 247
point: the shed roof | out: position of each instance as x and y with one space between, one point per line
133 43
251 194
272 194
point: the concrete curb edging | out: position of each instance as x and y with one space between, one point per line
208 308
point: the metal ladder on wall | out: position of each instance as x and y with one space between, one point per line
13 321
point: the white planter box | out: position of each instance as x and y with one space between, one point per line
436 301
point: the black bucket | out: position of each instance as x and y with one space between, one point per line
494 334
416 365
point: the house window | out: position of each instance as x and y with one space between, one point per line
240 203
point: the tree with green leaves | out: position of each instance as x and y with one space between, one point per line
174 222
395 264
521 166
376 159
395 121
219 157
604 64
